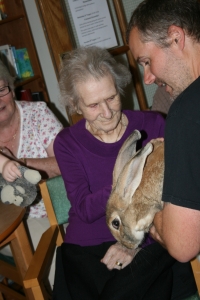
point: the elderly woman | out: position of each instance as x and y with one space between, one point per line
27 133
95 265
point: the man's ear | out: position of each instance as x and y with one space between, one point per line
177 36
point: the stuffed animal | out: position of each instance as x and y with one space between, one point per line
22 191
136 191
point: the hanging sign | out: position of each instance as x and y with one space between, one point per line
93 23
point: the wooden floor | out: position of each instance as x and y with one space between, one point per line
15 287
19 289
8 298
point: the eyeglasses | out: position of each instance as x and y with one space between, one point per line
4 91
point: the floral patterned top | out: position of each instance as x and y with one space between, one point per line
39 127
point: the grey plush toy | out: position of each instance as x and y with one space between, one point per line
22 191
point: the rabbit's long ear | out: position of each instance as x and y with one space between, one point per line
126 152
131 175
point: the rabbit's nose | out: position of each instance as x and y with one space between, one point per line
115 223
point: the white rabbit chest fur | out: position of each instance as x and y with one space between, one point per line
136 191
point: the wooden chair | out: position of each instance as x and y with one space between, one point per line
57 205
195 263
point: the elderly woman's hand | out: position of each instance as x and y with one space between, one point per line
118 256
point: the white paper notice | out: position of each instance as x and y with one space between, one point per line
93 23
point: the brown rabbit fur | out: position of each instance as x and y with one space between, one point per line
136 192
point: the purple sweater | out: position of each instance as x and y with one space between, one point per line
86 165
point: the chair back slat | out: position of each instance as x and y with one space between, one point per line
58 196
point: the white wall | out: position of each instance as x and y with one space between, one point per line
45 60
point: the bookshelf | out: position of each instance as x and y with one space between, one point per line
15 30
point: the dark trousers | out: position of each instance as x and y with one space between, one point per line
184 284
148 277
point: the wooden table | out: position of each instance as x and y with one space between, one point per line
12 231
10 217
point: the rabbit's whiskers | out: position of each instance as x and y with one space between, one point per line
145 255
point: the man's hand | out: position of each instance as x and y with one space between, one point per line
155 233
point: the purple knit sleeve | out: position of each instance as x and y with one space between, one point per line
88 205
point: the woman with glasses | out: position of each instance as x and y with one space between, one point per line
27 133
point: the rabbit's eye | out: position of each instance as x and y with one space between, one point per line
115 223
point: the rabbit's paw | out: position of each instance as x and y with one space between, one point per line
32 176
145 223
8 196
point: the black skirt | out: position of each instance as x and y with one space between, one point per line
148 277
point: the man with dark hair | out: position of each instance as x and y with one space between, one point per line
164 38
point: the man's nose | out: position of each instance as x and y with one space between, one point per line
149 78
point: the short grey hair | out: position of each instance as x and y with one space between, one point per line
83 63
5 75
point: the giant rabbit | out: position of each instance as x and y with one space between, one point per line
136 190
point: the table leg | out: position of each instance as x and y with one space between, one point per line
22 253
